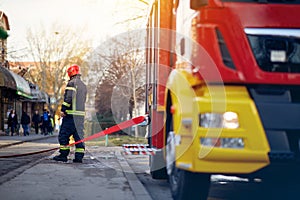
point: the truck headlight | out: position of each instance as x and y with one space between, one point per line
228 120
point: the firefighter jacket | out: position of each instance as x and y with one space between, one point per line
74 97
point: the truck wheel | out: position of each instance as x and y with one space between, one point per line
159 174
157 166
183 184
189 185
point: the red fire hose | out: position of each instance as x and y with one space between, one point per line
118 127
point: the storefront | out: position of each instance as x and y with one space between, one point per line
23 95
7 95
15 94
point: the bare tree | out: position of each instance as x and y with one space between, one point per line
123 74
116 79
138 10
53 51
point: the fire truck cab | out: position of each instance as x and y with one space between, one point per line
223 80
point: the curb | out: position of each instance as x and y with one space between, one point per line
137 187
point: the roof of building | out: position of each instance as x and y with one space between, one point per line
4 18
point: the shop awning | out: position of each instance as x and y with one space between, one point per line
9 79
38 95
23 88
6 79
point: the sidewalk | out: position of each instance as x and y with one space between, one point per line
104 174
6 140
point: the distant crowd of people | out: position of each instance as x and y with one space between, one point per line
43 124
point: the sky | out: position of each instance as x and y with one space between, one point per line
98 17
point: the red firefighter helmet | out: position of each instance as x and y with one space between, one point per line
73 70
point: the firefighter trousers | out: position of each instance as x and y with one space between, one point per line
72 125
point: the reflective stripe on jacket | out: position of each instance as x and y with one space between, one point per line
74 97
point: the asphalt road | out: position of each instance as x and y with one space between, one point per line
222 187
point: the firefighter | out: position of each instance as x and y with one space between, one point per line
72 111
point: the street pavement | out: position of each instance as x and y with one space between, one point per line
104 174
6 140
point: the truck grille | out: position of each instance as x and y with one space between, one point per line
276 50
279 111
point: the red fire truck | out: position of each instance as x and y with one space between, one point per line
223 80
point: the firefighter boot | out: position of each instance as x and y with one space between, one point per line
63 156
78 157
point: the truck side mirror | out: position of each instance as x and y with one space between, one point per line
196 4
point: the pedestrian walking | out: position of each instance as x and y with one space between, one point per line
25 122
12 121
7 129
45 120
36 120
72 111
51 124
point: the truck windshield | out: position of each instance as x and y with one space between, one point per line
266 1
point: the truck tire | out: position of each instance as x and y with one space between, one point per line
157 167
183 184
189 185
159 174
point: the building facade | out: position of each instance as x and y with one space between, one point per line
15 92
4 28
